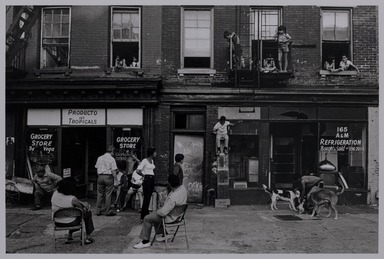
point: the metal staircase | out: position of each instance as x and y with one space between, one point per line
17 35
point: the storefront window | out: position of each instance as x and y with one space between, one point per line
42 149
344 145
127 140
244 152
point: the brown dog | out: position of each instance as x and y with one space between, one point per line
324 198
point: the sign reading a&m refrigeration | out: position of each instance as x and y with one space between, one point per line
83 117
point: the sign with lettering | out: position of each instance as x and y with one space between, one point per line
83 117
42 147
342 141
127 141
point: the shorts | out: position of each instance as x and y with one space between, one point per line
135 187
283 47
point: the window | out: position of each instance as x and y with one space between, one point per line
336 35
345 146
244 152
197 38
55 37
125 34
264 23
189 121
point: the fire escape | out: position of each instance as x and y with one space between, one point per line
17 38
257 45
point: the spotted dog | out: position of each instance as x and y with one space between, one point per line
292 196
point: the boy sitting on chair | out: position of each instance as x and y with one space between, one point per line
221 131
177 197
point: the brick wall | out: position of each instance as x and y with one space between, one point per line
365 46
90 36
162 143
151 39
170 39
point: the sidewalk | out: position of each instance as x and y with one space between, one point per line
237 229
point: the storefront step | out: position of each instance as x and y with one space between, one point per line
248 196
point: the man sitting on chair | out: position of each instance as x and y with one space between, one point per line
177 197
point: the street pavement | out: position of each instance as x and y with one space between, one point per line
251 229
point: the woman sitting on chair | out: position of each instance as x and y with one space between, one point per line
64 197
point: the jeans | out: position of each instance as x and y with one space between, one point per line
104 188
39 194
148 187
149 221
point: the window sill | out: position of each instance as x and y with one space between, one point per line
325 73
196 71
53 70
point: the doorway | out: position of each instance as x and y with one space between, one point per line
80 149
294 152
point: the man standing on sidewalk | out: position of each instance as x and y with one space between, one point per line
106 179
44 183
177 197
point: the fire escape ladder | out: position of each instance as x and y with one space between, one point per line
17 35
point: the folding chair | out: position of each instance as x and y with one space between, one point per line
76 224
180 221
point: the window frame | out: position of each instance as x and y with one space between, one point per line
349 42
121 9
252 30
43 52
182 43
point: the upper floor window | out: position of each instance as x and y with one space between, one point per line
264 23
197 38
336 35
125 35
55 37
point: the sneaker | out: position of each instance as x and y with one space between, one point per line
141 245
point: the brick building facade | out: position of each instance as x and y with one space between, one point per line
186 80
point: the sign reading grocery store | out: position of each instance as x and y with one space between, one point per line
83 117
42 147
340 142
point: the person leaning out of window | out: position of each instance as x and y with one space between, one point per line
346 64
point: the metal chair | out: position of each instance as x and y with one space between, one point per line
76 224
180 221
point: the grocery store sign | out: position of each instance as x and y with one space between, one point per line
83 117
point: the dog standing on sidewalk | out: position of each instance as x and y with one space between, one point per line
290 196
324 198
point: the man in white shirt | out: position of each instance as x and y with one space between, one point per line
221 131
106 179
169 211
